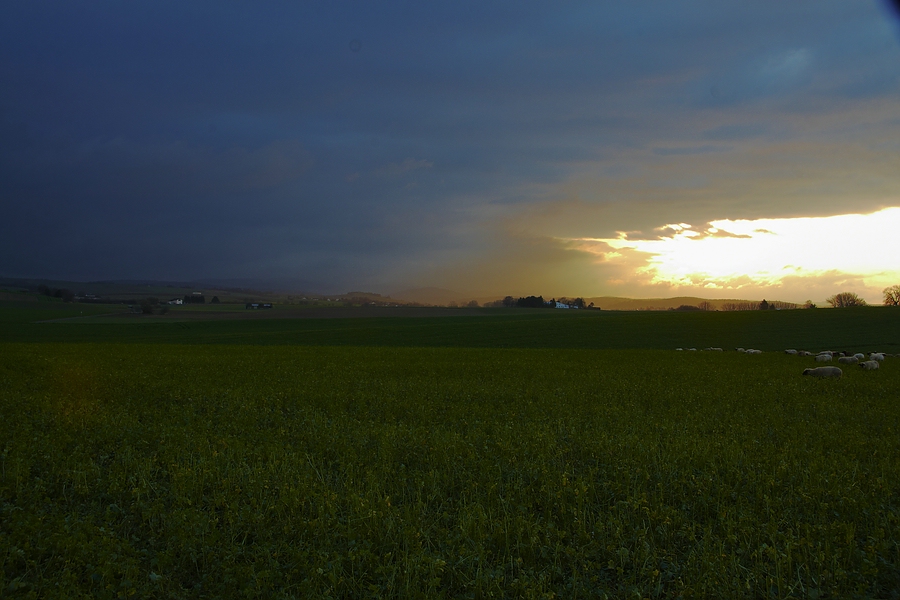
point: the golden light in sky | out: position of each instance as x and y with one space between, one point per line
732 254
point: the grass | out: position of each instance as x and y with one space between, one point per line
514 454
864 328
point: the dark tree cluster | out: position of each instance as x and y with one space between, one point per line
537 302
66 295
195 299
533 302
735 306
574 302
152 305
845 299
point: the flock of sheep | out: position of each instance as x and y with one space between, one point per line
844 358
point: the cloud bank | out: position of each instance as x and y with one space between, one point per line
347 145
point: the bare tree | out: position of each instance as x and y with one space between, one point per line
845 299
891 295
705 305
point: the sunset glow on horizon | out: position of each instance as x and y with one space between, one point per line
737 254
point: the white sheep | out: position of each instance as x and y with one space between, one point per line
824 372
848 360
740 349
679 349
860 356
804 353
714 349
752 351
877 356
790 351
869 365
823 358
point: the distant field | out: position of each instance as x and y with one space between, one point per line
865 329
203 471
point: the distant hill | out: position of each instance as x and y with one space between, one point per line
129 290
231 291
427 295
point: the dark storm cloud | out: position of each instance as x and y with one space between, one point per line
351 143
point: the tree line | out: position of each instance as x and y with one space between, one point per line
536 302
764 305
66 295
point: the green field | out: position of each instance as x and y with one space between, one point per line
870 328
498 454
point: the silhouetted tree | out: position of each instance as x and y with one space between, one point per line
764 305
509 302
845 299
215 300
472 304
531 302
147 305
809 304
705 305
891 295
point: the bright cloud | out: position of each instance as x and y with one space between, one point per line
729 254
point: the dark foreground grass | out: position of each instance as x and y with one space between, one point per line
226 471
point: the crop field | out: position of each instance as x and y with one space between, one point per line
278 465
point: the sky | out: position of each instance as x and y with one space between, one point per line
646 149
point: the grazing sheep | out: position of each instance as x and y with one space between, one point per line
740 349
869 365
790 351
823 358
752 351
679 349
860 356
714 349
877 356
848 360
804 353
823 372
692 349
